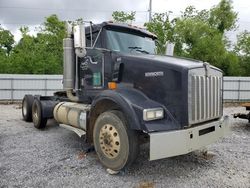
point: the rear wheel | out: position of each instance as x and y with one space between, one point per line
27 107
116 145
37 115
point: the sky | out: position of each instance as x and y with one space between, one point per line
16 13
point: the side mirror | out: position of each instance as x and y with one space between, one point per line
79 40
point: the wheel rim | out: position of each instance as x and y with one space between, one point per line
35 114
109 141
25 107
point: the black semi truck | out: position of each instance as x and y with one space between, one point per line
117 90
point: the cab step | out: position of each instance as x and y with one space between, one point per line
78 131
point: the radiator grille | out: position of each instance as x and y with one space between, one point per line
205 98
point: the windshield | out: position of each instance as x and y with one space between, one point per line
129 43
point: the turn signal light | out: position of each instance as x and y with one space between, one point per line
112 85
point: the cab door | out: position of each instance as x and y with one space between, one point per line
91 70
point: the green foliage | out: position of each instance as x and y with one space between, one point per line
6 40
24 30
196 34
230 64
23 58
121 16
223 17
6 45
163 28
53 26
200 35
198 39
42 54
242 49
4 61
51 44
243 44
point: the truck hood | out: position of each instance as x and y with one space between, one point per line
175 63
163 79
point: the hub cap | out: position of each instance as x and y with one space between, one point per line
109 141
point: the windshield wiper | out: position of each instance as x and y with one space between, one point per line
143 51
139 49
134 47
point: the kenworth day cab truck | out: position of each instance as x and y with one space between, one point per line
117 90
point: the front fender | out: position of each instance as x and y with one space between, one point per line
132 102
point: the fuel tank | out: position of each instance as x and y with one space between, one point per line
70 113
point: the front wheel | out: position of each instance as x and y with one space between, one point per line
116 145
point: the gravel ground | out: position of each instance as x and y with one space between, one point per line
55 157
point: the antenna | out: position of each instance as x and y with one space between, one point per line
150 11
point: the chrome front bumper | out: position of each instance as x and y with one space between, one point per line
179 142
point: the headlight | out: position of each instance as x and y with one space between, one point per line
153 114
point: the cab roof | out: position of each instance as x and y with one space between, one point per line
123 26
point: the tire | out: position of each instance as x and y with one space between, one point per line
38 120
116 145
27 107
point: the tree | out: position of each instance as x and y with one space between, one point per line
42 54
6 40
243 44
163 28
197 38
23 58
242 49
199 35
196 34
223 16
50 40
204 40
24 30
54 26
6 45
121 16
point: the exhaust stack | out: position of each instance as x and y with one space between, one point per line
72 48
68 64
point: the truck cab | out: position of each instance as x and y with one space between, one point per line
105 49
117 89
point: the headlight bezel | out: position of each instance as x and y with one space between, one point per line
151 114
